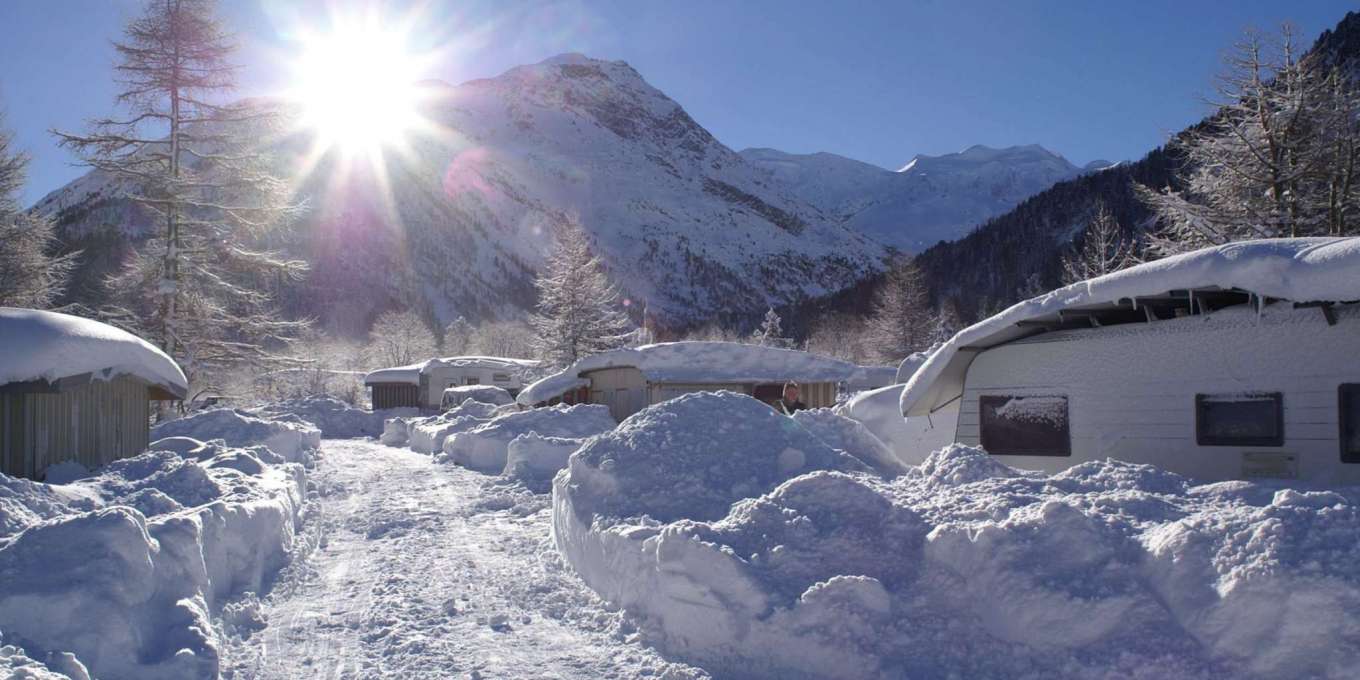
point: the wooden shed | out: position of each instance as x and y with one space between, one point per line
629 380
75 389
422 385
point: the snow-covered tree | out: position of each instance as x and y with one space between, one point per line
515 339
30 274
901 321
771 332
457 337
1103 250
842 335
399 339
204 289
578 311
1278 159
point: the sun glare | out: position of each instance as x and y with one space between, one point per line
356 88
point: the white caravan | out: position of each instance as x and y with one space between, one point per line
1238 361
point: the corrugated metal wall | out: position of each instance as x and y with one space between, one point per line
395 395
92 424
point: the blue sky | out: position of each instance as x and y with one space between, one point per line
879 82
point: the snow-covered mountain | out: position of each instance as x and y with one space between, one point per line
931 198
683 223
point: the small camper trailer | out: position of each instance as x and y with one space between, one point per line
628 380
76 389
422 385
1238 361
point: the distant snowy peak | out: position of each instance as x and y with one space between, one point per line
931 198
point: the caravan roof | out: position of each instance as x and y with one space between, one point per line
411 374
1314 271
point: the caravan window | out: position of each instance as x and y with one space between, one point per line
1350 423
1025 426
1244 419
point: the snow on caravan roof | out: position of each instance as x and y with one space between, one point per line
48 346
411 374
698 362
1298 270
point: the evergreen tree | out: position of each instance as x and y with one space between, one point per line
771 333
901 321
30 275
400 339
457 337
1279 159
1103 250
577 305
203 290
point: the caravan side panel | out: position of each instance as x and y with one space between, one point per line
1131 389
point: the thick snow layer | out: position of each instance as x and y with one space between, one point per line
16 665
487 394
124 568
960 567
411 374
49 346
335 418
911 439
851 437
486 446
700 362
427 434
1296 270
286 435
534 459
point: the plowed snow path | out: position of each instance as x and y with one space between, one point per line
423 570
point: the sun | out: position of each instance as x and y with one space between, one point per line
356 88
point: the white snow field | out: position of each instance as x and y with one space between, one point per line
118 574
742 544
421 570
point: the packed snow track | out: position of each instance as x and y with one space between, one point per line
422 570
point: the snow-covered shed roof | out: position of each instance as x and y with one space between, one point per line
411 374
698 362
1299 270
49 347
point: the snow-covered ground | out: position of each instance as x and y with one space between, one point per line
422 570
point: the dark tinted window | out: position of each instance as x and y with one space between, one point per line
1245 419
1350 423
1025 426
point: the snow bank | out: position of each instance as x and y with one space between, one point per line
50 346
285 435
487 394
1297 270
486 447
335 418
427 435
534 459
124 568
689 517
701 362
910 439
852 437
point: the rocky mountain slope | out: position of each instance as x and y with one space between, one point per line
930 199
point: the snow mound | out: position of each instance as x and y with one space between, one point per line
49 346
427 435
851 437
16 665
124 569
960 567
534 459
285 435
486 447
487 394
335 418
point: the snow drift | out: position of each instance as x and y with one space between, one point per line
336 419
693 516
286 435
427 435
125 568
485 447
534 459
